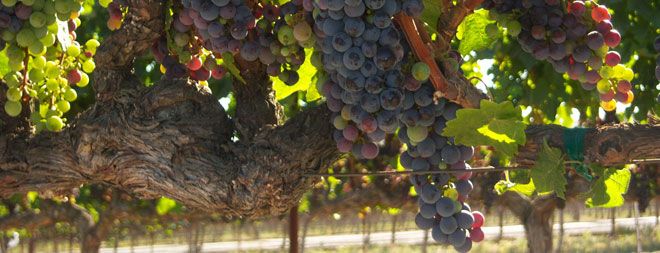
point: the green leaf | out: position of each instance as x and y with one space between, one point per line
503 186
165 205
609 188
306 72
472 32
498 125
63 36
313 90
431 14
4 63
548 173
229 64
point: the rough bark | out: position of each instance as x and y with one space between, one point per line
606 145
535 216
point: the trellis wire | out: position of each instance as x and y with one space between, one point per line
473 170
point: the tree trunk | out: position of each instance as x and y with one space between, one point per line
90 243
293 230
536 218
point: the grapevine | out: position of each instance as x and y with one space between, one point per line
45 60
575 38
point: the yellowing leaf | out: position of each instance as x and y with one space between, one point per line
472 32
609 188
498 125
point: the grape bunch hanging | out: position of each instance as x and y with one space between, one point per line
45 60
576 38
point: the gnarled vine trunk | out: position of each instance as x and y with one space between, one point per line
535 215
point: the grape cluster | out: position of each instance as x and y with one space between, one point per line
115 11
44 58
360 50
442 206
575 38
274 35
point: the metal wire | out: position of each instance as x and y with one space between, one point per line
473 170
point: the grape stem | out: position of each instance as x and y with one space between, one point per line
24 71
421 50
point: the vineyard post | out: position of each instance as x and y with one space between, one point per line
293 229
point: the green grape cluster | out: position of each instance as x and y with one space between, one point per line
38 38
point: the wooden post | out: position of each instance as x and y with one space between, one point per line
613 221
393 237
561 231
293 229
425 243
304 233
637 229
500 219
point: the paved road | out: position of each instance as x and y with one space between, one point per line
402 237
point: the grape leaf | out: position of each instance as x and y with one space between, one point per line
306 72
165 205
503 186
472 32
229 64
313 90
430 14
497 125
548 173
4 63
63 35
609 188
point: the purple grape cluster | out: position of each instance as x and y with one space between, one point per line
274 35
442 206
361 51
575 38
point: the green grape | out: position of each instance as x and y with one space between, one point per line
492 31
84 80
105 3
40 32
32 93
628 74
38 19
53 85
13 108
27 2
421 71
36 75
25 37
89 66
63 82
513 27
92 43
52 112
52 71
63 106
70 95
49 8
54 123
38 5
285 35
61 6
48 40
39 62
8 35
603 86
15 64
181 39
14 94
37 48
14 51
9 3
606 72
12 79
73 50
417 133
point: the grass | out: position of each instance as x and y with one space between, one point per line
625 241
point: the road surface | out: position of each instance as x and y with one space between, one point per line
402 237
